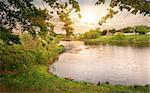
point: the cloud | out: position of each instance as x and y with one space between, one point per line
122 19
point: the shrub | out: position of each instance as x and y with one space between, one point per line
128 30
104 32
112 31
14 58
31 51
91 34
142 30
119 37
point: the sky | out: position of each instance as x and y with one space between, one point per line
121 20
91 14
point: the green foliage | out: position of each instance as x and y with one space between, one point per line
64 15
7 36
109 15
112 31
37 79
134 6
67 25
128 30
31 52
30 18
39 21
95 33
91 34
13 58
26 61
63 10
120 39
27 15
104 32
98 37
142 29
75 5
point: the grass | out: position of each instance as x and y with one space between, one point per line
29 63
120 40
19 57
37 79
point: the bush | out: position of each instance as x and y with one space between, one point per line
142 30
30 52
118 37
14 58
128 30
112 31
91 34
104 32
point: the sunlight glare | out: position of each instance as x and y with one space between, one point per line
89 17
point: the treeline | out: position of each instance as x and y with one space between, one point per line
134 36
137 29
95 33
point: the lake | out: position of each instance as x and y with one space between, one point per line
101 63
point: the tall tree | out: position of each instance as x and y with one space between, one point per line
63 11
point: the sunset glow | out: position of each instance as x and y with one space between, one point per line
89 18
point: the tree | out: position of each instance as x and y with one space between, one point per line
104 32
142 30
64 17
7 36
30 17
133 6
112 31
109 15
128 30
64 11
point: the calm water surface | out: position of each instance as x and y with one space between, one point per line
101 63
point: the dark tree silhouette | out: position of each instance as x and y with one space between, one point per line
30 17
133 6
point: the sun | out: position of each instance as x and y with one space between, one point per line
89 17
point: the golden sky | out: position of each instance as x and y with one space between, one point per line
91 14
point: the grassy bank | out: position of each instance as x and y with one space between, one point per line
24 68
120 40
39 80
32 51
134 36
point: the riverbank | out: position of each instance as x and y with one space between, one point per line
39 80
29 72
123 40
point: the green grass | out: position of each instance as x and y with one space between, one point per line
37 79
120 40
28 67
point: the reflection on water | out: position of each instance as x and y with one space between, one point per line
116 64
